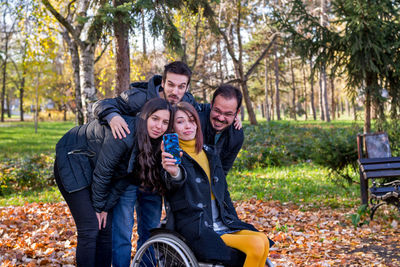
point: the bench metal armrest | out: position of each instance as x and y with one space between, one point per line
393 183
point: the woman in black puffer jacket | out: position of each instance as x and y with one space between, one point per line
92 168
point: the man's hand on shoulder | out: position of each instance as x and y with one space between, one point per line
119 127
238 122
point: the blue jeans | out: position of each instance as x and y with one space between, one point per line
148 213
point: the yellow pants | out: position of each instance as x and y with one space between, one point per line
254 244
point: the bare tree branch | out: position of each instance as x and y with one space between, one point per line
75 34
102 52
263 54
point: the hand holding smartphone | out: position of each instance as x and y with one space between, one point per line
171 145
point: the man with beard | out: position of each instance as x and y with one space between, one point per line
217 124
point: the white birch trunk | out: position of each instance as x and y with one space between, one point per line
88 90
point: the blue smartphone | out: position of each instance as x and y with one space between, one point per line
171 145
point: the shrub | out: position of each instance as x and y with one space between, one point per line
283 143
336 148
393 130
28 173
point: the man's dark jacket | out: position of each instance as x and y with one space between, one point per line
89 155
131 101
229 143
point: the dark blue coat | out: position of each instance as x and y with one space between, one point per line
88 155
190 203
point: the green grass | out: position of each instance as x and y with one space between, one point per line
311 123
300 184
304 183
48 195
19 138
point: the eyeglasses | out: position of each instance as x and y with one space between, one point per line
225 114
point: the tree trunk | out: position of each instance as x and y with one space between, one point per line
93 26
184 47
348 108
220 72
8 102
204 94
21 100
21 91
305 93
267 108
294 92
353 103
3 91
325 106
144 34
333 103
272 110
321 105
262 110
239 68
37 102
64 112
325 95
312 92
370 82
75 61
122 60
277 101
249 107
86 71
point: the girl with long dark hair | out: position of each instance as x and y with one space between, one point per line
92 169
200 202
143 193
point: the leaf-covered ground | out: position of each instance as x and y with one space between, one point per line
44 235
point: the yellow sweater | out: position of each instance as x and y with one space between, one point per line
201 158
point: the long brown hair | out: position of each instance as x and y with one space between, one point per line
191 111
149 150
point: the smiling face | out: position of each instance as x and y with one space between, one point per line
175 86
157 123
185 126
223 112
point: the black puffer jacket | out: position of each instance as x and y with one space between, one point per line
89 155
131 101
190 203
229 143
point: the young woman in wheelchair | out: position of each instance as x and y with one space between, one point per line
200 202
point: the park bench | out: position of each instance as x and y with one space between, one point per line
377 164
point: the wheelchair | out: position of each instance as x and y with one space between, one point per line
167 248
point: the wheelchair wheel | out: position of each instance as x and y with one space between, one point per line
164 250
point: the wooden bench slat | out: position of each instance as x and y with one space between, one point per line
378 160
381 174
381 166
